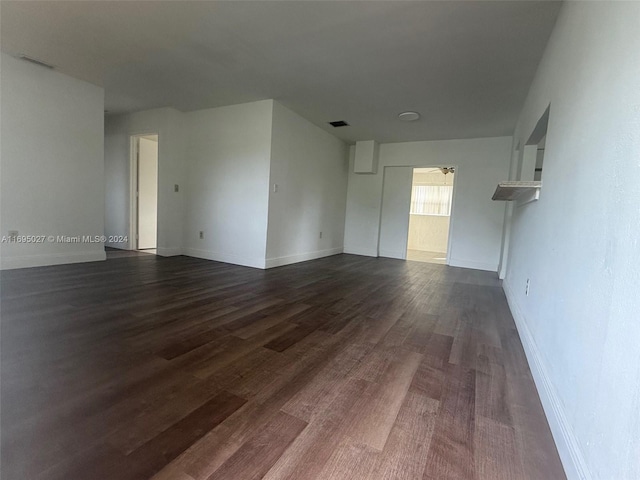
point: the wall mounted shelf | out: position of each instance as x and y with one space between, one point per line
522 192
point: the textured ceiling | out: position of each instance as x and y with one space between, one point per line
465 66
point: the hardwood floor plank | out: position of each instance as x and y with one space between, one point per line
495 447
430 377
162 449
374 364
310 452
438 348
171 475
376 415
448 321
259 325
539 459
405 454
420 335
101 461
349 460
151 422
227 356
92 430
451 452
260 452
206 455
320 393
492 400
179 368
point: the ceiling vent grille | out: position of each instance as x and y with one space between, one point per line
339 123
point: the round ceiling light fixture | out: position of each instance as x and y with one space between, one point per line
409 116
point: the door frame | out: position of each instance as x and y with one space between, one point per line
453 207
453 204
134 143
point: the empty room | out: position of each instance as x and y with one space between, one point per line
319 240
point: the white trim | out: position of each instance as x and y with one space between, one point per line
452 222
367 252
568 448
456 262
430 214
225 258
133 188
168 251
43 260
117 246
302 257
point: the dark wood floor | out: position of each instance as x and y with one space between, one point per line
341 368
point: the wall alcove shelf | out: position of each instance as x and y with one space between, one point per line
522 192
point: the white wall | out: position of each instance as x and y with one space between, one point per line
168 124
310 168
476 223
223 159
52 164
579 244
228 151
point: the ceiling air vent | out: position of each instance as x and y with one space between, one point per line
339 123
34 61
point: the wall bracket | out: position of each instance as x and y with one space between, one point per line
520 191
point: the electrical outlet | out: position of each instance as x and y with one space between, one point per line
176 188
320 234
526 291
201 234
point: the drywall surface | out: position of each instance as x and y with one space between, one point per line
428 233
168 124
476 222
309 167
228 151
52 166
394 212
579 244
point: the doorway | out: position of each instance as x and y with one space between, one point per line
145 149
430 214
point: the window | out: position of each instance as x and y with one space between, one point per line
431 200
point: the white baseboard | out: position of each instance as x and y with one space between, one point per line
169 251
303 257
43 260
367 252
571 456
456 262
118 246
399 255
225 258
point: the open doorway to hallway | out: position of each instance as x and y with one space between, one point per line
430 214
145 183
